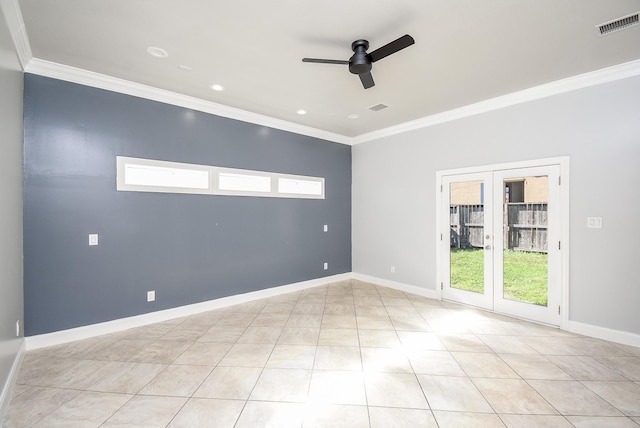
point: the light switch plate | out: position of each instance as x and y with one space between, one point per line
594 222
93 239
151 296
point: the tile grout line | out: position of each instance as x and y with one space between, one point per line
80 354
424 394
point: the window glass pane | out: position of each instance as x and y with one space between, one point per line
146 175
525 256
244 182
466 218
299 186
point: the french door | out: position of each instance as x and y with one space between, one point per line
500 241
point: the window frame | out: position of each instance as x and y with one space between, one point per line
214 173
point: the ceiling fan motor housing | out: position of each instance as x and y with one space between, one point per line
360 62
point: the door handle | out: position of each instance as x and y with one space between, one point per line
488 247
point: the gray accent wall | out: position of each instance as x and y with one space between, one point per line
11 303
394 192
188 248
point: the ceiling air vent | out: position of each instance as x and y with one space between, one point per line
378 107
618 24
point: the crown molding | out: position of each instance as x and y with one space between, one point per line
15 23
114 84
101 81
580 81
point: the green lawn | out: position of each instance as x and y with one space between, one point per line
525 274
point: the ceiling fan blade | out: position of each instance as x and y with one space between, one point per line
390 48
325 61
367 80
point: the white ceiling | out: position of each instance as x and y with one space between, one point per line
466 51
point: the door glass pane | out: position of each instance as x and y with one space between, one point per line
525 239
466 214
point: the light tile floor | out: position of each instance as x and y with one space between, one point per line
350 354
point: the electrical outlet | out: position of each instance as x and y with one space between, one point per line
151 296
393 269
326 227
326 265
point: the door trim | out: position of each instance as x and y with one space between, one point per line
563 163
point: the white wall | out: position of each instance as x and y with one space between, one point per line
394 195
11 306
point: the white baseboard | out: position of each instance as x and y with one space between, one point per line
424 292
7 390
85 332
617 336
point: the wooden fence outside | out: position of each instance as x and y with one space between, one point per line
525 225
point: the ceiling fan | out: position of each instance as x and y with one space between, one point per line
360 62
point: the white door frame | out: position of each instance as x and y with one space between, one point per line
563 163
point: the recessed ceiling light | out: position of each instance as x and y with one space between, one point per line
301 112
184 67
217 87
353 116
157 52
